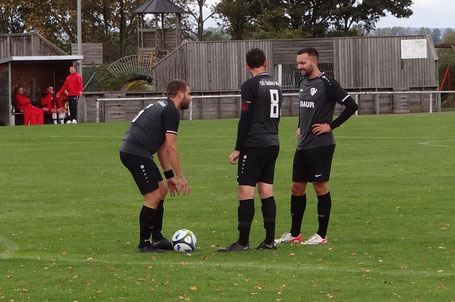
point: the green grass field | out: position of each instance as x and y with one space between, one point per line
69 217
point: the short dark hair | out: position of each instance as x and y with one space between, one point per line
173 87
310 51
255 58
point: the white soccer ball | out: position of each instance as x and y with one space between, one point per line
184 241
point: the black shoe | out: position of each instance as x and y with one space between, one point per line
162 244
235 247
149 249
266 246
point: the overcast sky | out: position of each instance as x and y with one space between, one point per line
426 13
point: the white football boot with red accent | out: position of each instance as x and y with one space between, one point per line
287 237
315 239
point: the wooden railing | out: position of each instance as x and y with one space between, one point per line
104 109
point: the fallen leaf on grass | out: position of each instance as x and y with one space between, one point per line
193 288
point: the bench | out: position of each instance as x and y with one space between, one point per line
18 117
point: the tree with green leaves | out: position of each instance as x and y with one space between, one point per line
367 13
109 22
240 16
447 56
12 17
318 18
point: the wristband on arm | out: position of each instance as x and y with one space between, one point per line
168 174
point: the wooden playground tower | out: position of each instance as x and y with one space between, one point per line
157 37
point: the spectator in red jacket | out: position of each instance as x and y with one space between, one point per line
73 88
32 115
52 106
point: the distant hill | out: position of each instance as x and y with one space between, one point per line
435 33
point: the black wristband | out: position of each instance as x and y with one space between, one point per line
168 174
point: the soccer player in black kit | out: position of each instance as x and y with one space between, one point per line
316 144
257 148
154 130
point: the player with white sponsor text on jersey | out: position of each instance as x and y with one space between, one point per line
316 144
257 149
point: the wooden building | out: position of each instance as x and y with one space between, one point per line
156 39
31 61
92 52
358 63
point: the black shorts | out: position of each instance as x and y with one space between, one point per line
144 171
313 165
257 165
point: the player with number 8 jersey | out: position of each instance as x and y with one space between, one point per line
257 149
261 105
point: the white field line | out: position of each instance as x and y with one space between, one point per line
431 143
336 136
434 143
395 137
204 265
11 247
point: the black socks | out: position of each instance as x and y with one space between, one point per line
151 223
156 231
298 205
269 213
146 219
245 214
324 206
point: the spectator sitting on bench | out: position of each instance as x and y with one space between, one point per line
32 115
53 106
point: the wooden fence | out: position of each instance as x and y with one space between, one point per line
104 107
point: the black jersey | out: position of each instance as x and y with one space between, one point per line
261 111
317 98
147 131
